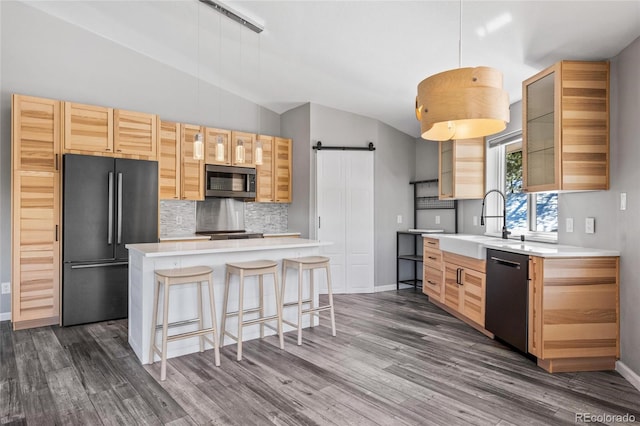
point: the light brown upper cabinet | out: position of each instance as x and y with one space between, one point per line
566 127
462 165
88 129
35 128
248 142
265 189
282 170
135 134
169 161
217 144
192 171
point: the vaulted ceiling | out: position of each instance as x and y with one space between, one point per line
365 57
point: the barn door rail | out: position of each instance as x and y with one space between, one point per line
320 147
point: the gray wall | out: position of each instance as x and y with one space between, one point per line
44 56
615 229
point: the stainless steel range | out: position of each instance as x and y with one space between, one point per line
222 219
231 235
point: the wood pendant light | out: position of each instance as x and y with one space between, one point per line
463 103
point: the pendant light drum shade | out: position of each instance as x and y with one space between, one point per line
463 103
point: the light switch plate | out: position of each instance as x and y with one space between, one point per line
6 288
623 201
475 221
437 220
399 218
590 225
569 224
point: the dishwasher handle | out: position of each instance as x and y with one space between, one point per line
504 262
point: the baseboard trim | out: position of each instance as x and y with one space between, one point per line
5 316
631 376
390 287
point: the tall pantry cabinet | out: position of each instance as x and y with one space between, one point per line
35 211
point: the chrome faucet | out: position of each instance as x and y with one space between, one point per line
505 233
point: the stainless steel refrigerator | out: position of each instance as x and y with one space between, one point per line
107 203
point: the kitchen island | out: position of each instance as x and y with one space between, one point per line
144 259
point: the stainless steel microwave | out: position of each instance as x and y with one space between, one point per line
229 181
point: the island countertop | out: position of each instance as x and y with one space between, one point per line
187 248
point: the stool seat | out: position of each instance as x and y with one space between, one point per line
254 268
309 260
168 278
184 272
301 264
253 264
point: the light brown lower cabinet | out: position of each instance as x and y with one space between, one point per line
432 280
574 313
465 286
35 249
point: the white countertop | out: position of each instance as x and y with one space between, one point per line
527 247
185 248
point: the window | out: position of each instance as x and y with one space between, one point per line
535 215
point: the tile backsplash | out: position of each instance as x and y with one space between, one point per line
179 217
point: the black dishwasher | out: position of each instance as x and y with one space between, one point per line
507 297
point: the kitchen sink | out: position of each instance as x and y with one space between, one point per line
466 245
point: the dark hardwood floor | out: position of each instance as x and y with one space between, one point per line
396 360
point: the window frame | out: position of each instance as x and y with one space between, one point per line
497 179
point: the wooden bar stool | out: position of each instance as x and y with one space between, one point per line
309 263
258 268
178 276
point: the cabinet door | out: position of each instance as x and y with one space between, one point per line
192 171
245 142
451 286
217 144
282 170
541 131
35 133
265 191
36 249
462 164
169 161
432 283
135 134
473 295
88 129
445 182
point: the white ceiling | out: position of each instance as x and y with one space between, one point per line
366 57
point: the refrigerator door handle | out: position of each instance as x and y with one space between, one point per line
119 208
99 265
110 232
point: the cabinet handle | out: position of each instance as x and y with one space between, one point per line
431 282
56 232
432 258
57 166
431 242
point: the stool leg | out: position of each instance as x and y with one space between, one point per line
212 309
284 283
240 321
200 322
300 277
223 321
154 320
261 301
165 327
313 303
278 306
333 318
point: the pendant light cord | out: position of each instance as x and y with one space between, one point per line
460 37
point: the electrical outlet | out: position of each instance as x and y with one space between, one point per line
437 220
399 218
178 220
475 221
569 225
623 201
6 288
590 225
